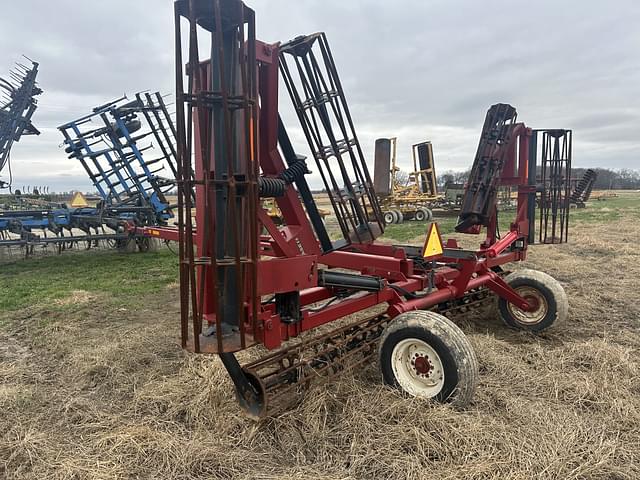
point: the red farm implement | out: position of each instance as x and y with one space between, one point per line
247 282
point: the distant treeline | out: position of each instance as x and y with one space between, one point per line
608 179
623 179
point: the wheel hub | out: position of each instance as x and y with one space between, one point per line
421 365
538 306
418 368
534 303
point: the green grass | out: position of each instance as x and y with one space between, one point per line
613 208
626 204
123 277
408 231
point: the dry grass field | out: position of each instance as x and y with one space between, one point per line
94 385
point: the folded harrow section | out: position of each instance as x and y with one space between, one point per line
582 191
17 106
312 81
481 194
218 260
113 144
128 150
555 185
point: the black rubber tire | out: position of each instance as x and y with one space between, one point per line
399 216
147 244
548 288
389 218
420 215
126 245
428 213
450 343
154 244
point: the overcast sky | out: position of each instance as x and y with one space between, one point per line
418 70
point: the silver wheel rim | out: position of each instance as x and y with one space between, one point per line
417 368
534 316
389 217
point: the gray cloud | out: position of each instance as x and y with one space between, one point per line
413 69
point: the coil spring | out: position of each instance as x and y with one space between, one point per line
275 187
271 187
295 171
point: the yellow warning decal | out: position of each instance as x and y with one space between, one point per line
78 201
433 242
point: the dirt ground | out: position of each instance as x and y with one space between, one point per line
89 389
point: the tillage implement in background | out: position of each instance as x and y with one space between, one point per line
406 196
245 281
582 191
17 106
128 149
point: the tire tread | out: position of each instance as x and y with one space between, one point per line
454 338
556 289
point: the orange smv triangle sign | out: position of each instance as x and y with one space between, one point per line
433 243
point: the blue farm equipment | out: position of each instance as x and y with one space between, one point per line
113 144
110 142
17 107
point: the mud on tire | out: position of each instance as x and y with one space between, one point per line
541 289
424 354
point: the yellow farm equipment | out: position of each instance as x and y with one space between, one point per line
406 196
274 212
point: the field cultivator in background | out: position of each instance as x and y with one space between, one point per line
17 106
128 150
416 196
109 144
582 191
410 198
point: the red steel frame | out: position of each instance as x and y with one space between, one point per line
291 255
